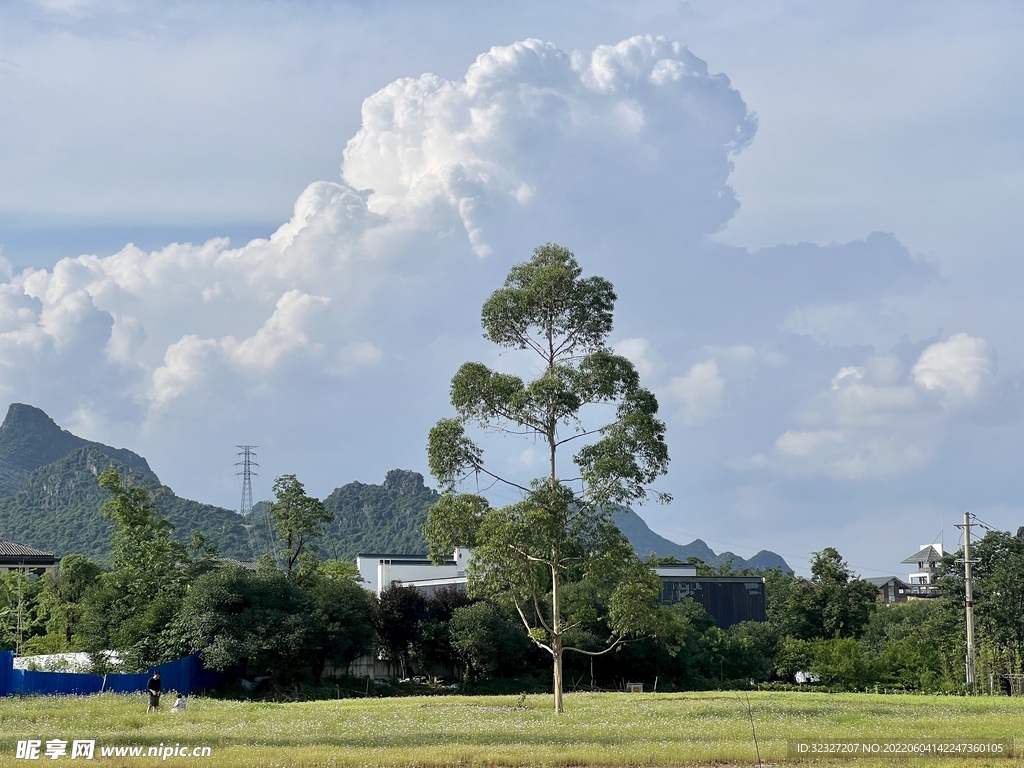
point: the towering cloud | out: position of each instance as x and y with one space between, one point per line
532 135
638 129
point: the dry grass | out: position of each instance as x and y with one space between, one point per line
597 729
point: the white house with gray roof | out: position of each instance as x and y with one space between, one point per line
17 557
927 561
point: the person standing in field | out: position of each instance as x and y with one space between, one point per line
155 688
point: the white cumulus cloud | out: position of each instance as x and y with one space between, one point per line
878 418
958 367
700 392
530 124
638 352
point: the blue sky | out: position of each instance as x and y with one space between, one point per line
810 214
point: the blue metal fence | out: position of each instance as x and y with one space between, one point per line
6 668
181 675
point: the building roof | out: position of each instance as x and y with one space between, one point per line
403 555
676 569
713 579
10 549
400 559
231 562
927 554
440 581
881 581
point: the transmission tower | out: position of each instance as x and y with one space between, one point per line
248 464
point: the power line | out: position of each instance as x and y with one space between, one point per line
983 524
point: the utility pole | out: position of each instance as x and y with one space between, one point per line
968 599
21 605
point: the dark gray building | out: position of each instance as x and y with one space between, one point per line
728 599
890 588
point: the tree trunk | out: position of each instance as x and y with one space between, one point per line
556 646
318 661
556 641
556 608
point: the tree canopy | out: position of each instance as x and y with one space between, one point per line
834 603
299 520
561 531
129 608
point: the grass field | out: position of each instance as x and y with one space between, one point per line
597 729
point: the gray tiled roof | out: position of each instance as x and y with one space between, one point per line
881 581
245 565
227 562
929 554
13 549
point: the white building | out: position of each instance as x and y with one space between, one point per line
380 571
927 559
675 570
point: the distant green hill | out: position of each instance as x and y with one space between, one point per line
645 541
29 439
368 518
56 505
49 498
389 518
379 518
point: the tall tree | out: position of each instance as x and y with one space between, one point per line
561 531
62 595
400 613
285 628
129 608
340 617
842 602
255 620
143 540
486 640
20 615
433 643
789 601
299 520
834 603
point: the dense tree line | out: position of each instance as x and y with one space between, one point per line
158 599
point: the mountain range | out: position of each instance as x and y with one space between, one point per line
647 542
50 499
